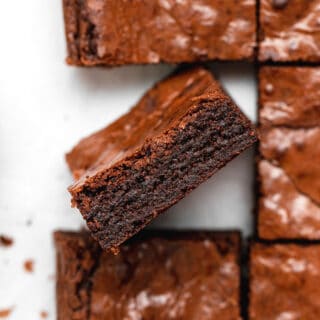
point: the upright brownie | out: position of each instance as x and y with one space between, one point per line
118 32
179 134
289 164
157 275
289 30
284 282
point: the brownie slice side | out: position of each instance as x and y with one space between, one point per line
71 12
77 257
119 196
157 274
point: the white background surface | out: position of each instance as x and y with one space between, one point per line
45 108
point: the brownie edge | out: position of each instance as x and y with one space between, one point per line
77 256
71 11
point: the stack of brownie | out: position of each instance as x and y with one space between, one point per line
180 133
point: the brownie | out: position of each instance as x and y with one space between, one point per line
289 96
289 30
284 281
156 275
118 32
180 133
177 88
289 166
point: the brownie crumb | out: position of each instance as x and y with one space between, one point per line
29 266
5 241
43 314
4 313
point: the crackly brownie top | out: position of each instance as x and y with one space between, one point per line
118 31
297 152
284 281
162 275
157 109
284 210
290 30
289 172
290 96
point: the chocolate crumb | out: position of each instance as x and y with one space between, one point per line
4 313
43 314
279 4
6 241
28 265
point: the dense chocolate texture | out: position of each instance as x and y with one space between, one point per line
157 275
289 166
180 133
118 32
289 30
284 282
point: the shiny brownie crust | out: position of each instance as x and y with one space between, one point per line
288 166
118 32
156 275
289 30
284 281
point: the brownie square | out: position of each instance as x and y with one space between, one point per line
118 32
179 134
284 281
157 275
289 153
289 30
